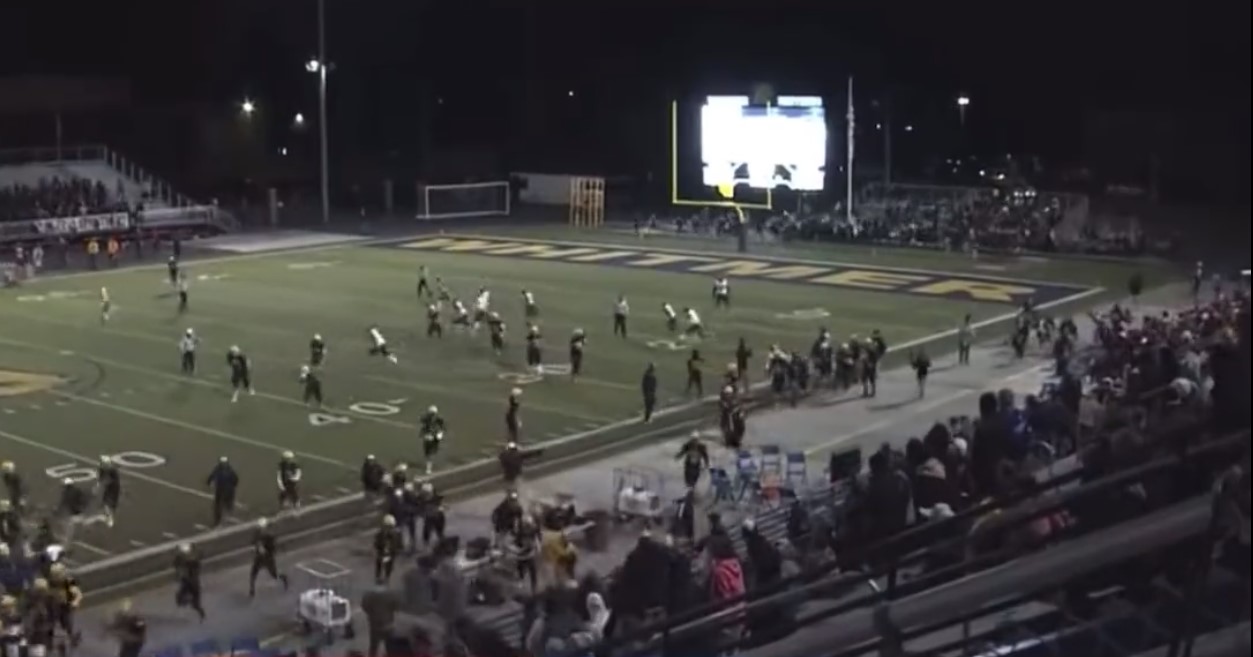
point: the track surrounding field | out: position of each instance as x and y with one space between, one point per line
73 388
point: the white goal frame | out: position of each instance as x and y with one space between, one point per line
424 200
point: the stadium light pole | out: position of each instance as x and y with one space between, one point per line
320 67
963 101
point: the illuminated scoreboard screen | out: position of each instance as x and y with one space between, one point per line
780 145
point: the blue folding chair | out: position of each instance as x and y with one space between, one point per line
245 645
796 468
720 482
747 474
170 651
206 648
771 460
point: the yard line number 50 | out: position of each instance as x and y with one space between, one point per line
79 473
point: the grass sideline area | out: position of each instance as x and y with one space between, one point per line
72 388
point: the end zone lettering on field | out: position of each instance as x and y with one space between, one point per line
967 287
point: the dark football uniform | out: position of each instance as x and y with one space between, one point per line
497 328
288 478
264 557
577 343
313 387
513 419
534 354
317 352
172 268
433 428
241 378
109 478
695 378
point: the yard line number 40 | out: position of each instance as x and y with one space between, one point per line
374 409
79 472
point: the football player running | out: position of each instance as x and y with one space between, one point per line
433 428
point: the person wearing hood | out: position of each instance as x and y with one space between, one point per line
764 560
930 480
989 446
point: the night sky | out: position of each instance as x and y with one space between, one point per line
495 72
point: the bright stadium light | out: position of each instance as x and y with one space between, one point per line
300 119
570 93
247 107
963 101
313 65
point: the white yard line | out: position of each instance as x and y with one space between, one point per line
203 382
91 548
87 460
208 431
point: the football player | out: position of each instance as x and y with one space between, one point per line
288 479
241 376
182 294
461 316
672 318
317 350
694 325
529 308
313 386
482 306
722 293
695 377
497 327
620 311
379 345
187 349
534 354
513 411
434 329
105 305
171 267
441 291
423 286
578 341
109 485
433 428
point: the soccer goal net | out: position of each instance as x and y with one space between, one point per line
486 199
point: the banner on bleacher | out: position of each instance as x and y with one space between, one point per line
107 222
94 223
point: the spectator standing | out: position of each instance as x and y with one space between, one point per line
114 248
990 446
380 606
130 629
93 252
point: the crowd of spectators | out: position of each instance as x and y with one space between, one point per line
55 197
1106 411
970 219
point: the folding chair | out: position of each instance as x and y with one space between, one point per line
796 471
771 460
245 645
747 474
206 648
720 484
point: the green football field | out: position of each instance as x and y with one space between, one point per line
73 388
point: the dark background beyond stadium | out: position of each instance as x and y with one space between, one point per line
446 91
